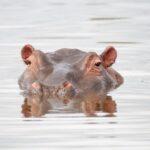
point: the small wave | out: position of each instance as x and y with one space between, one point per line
135 73
118 42
107 18
17 26
132 96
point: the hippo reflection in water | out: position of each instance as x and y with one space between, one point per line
73 78
39 108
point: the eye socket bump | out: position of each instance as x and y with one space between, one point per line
98 64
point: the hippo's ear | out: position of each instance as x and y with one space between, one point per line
109 56
26 52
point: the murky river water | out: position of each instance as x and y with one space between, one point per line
88 25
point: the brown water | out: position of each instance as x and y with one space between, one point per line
87 25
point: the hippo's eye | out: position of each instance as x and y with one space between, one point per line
98 64
27 62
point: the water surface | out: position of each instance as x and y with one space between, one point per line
91 26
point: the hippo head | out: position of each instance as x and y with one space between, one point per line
69 73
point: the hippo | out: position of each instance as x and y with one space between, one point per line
69 77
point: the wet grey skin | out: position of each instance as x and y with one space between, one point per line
69 74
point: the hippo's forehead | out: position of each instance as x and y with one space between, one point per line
58 76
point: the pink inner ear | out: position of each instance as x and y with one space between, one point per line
111 52
109 56
26 51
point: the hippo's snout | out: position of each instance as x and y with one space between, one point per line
64 92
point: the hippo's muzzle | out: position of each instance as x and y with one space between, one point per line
64 92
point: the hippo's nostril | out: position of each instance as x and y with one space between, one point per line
67 84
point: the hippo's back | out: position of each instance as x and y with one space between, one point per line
66 55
